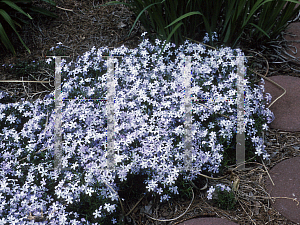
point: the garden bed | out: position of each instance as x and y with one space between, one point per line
201 206
89 73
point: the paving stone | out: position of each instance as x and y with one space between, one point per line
208 221
285 176
286 109
293 28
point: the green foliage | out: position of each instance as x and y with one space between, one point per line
7 7
156 15
59 50
23 68
236 21
224 200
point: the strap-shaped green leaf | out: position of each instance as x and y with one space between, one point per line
8 19
228 32
169 37
22 1
4 39
11 23
142 13
260 29
184 16
14 6
293 1
256 6
114 3
43 11
50 2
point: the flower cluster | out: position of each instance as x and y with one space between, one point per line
211 190
223 196
149 129
214 37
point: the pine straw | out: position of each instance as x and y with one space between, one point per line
80 26
254 202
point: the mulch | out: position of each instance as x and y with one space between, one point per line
80 26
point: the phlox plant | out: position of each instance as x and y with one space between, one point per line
149 131
222 196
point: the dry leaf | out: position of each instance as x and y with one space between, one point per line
256 208
235 185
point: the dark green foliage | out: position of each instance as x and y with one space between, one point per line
10 15
225 200
236 22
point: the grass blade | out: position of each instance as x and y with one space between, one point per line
14 6
260 29
169 37
184 16
10 22
142 13
5 40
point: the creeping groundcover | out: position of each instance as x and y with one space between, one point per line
149 132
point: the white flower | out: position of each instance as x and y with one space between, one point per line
164 197
97 213
11 118
206 38
159 190
266 156
258 150
2 115
49 60
69 199
109 207
152 185
210 191
174 189
265 127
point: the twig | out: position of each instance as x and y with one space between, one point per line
135 205
24 87
40 82
246 212
268 173
38 93
167 220
200 43
39 218
71 10
22 81
264 76
34 154
117 195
